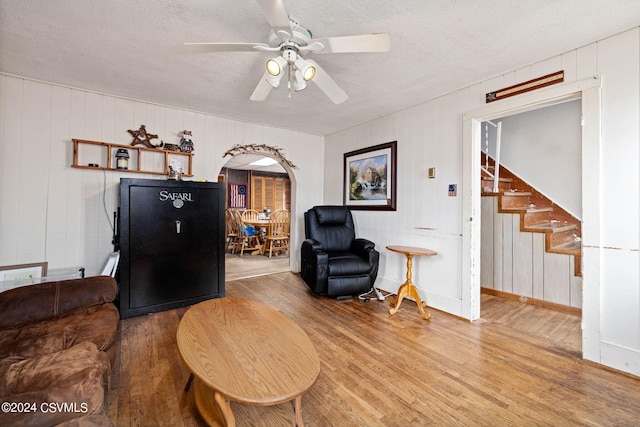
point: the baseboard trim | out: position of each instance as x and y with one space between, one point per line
535 302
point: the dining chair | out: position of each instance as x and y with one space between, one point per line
232 229
248 232
253 216
250 215
277 238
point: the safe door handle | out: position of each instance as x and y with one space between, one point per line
178 224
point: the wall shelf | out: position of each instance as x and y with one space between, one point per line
142 159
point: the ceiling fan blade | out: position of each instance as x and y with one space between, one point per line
361 43
277 16
262 90
328 85
223 47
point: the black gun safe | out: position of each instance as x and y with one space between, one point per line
171 244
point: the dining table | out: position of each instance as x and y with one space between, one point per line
258 224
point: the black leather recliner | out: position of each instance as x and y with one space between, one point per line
334 262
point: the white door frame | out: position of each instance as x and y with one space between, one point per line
589 93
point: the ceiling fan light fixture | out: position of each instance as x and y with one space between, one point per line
274 65
306 70
309 72
299 83
274 81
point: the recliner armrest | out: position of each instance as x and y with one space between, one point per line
366 249
362 247
313 253
315 266
313 245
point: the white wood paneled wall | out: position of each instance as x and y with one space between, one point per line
517 262
430 135
52 212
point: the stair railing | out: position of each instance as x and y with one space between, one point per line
496 174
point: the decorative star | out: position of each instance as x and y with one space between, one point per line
141 136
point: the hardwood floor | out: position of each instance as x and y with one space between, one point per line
237 267
518 365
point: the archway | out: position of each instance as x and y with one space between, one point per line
253 152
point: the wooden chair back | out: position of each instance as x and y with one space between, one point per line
250 215
229 222
232 225
279 223
236 216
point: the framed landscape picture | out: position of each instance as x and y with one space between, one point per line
370 178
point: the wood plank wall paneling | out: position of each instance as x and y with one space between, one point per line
52 212
517 263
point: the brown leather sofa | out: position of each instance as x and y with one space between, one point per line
57 346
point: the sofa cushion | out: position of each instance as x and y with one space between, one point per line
33 303
58 386
96 324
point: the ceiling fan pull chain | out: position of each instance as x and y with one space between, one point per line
289 82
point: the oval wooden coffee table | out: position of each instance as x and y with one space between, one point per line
243 351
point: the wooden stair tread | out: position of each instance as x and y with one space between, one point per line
570 248
552 227
490 178
517 193
488 181
528 209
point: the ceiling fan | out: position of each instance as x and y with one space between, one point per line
291 41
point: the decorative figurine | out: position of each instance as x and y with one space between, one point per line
186 145
175 174
141 136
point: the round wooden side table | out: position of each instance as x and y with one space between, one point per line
408 289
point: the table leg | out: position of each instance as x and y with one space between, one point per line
225 408
213 407
297 406
408 289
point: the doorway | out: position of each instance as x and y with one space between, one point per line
265 184
588 91
530 248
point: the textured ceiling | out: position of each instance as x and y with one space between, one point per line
134 49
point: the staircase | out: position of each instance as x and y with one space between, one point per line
537 214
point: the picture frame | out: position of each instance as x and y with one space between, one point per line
23 273
370 177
